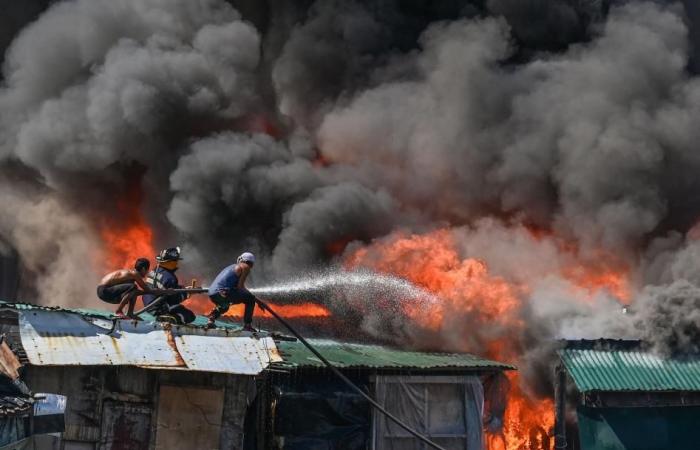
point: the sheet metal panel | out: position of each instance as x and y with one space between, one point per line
630 370
57 338
240 355
347 355
60 338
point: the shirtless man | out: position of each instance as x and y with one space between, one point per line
120 285
229 288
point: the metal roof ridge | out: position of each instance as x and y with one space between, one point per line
381 356
328 342
107 315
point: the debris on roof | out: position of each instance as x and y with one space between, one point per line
609 365
11 405
348 355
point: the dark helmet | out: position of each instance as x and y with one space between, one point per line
169 254
142 264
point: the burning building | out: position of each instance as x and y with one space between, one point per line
139 385
527 167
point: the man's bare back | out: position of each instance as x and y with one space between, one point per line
123 276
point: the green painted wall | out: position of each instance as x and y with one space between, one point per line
671 428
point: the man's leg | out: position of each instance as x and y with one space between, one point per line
249 309
221 305
183 314
127 296
244 296
132 303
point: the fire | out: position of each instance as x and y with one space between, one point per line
289 311
607 274
124 245
592 279
430 261
201 305
491 305
127 236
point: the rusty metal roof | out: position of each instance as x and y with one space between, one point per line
64 336
61 337
609 365
227 354
348 355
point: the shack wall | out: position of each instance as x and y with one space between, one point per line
116 407
664 428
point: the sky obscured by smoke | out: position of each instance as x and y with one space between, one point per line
343 121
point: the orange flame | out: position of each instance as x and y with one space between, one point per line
201 305
289 311
127 236
124 245
592 279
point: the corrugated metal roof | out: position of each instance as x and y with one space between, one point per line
57 338
347 355
62 338
66 336
222 354
624 366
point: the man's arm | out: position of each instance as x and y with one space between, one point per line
139 281
245 270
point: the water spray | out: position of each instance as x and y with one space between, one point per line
334 280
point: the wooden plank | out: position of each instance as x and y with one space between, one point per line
189 418
125 426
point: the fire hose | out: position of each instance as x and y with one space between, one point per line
164 292
347 380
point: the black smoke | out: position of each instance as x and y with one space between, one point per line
294 129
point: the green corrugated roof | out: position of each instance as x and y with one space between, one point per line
347 355
624 366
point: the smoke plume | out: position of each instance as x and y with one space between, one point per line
532 171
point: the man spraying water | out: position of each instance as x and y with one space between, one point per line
228 288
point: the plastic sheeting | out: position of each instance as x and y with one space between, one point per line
12 430
321 416
24 444
496 389
448 409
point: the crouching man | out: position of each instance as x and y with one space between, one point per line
163 277
228 288
121 286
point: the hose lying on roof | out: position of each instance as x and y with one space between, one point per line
346 380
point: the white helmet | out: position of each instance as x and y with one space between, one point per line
246 257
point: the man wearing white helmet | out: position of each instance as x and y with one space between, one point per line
228 288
